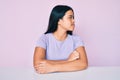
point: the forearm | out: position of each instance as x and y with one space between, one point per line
60 65
76 61
54 61
70 66
57 61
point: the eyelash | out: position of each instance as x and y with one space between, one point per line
71 17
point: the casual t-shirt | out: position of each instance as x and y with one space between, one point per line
59 50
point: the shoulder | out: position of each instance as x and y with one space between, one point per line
45 36
77 40
75 37
43 40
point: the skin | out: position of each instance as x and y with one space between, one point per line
76 61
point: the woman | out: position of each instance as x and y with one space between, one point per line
58 50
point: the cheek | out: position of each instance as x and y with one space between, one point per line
68 23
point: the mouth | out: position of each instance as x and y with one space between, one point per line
73 24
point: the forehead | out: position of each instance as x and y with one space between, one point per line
69 12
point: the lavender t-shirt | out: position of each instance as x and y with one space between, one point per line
59 50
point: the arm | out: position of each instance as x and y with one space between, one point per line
39 56
44 66
74 65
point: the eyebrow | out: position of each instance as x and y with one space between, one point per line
70 15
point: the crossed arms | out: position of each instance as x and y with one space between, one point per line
77 60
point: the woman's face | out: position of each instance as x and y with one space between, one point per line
67 22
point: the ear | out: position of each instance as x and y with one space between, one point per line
60 21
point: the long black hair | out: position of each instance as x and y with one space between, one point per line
57 13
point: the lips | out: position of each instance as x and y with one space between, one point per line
73 24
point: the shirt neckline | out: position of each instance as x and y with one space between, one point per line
59 40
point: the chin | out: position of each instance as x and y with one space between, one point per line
71 30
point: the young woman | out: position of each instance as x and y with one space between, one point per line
58 50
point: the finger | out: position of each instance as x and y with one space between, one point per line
76 54
39 68
37 65
40 64
76 57
75 51
41 71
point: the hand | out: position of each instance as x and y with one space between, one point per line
44 67
73 56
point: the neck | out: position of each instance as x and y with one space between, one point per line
60 35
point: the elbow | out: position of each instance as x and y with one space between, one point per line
83 66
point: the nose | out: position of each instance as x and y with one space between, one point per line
73 21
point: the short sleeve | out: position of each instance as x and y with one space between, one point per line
78 41
41 42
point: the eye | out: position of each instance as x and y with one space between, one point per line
71 17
